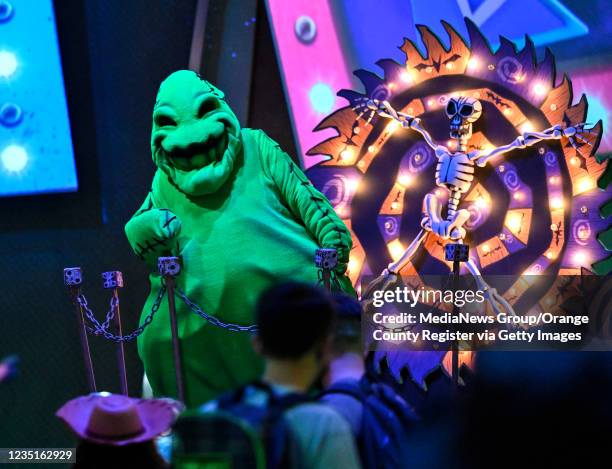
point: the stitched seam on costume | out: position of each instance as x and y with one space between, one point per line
149 246
148 208
320 206
339 244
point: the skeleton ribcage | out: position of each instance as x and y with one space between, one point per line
455 172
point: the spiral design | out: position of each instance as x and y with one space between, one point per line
419 158
381 93
510 70
511 180
391 227
335 190
550 158
477 216
581 231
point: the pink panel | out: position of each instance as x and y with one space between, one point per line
596 86
305 65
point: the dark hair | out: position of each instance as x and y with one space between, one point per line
347 330
142 455
293 318
347 306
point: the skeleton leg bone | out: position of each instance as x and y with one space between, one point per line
390 274
409 253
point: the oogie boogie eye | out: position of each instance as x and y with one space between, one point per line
162 120
208 105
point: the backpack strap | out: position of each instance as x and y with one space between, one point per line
379 396
231 398
356 389
274 431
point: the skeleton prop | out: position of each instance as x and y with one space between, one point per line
455 171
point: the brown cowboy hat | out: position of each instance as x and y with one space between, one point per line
115 419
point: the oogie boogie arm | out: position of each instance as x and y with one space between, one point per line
152 231
306 203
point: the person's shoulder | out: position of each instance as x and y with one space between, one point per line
323 436
317 414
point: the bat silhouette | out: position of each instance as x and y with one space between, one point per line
437 63
497 99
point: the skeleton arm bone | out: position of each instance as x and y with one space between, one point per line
384 109
528 139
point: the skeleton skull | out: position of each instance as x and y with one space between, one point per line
462 112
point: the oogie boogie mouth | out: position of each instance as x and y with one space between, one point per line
191 146
198 154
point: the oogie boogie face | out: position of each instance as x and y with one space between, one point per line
196 135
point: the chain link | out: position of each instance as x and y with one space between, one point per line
212 319
110 315
82 301
102 329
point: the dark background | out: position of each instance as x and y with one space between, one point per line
115 53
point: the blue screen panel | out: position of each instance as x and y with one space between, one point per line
36 153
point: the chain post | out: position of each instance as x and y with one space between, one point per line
73 278
169 268
113 280
456 253
326 260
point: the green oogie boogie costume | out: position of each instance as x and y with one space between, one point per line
241 214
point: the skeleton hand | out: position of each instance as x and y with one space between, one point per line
498 303
577 136
368 108
153 233
371 107
374 105
446 229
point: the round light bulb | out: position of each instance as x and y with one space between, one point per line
8 63
14 158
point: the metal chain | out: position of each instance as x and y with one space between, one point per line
110 315
102 329
82 301
212 319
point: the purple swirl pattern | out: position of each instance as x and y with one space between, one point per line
510 70
335 190
581 231
511 180
550 158
419 157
